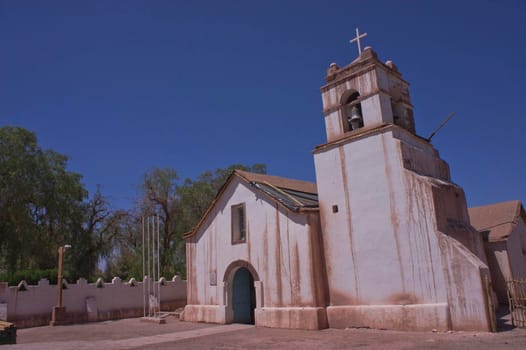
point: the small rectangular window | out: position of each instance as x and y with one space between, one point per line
238 223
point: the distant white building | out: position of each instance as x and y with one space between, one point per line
382 240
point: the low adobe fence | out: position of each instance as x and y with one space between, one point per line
517 302
30 306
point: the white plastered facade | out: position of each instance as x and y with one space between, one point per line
391 246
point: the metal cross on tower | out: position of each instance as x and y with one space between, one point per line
357 39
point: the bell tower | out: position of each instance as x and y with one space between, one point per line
365 94
399 248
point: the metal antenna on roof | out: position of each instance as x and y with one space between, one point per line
441 126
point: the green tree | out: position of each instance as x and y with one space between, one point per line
41 202
179 207
125 258
160 199
94 239
196 195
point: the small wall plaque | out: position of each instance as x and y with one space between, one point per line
3 312
213 278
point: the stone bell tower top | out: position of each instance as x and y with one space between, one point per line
365 94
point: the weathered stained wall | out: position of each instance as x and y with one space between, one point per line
516 245
521 228
376 108
507 260
498 263
32 307
395 248
383 95
282 250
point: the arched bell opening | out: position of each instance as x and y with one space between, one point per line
397 114
351 111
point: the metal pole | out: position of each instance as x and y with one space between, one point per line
158 267
441 126
148 274
143 274
153 264
152 307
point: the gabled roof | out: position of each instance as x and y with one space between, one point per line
294 195
497 221
281 182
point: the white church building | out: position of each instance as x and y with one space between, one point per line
381 240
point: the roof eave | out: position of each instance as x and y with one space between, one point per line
209 209
296 209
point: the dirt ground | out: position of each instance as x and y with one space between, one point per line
134 334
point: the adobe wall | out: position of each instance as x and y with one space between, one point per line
498 262
282 250
516 245
29 306
521 228
400 251
507 260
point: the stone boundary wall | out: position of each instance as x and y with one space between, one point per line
30 306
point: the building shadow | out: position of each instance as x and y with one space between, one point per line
504 319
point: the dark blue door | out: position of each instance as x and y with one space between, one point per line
243 297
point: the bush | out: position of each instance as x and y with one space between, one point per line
30 276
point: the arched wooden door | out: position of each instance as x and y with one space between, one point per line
243 296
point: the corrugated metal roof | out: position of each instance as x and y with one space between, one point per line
295 195
278 181
294 200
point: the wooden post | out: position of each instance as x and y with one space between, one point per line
58 313
522 303
491 309
510 300
60 275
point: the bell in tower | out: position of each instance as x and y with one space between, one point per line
356 120
365 94
399 248
352 111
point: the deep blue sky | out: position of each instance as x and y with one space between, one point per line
124 86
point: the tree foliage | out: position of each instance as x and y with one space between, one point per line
179 206
93 238
160 200
124 260
44 206
40 201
